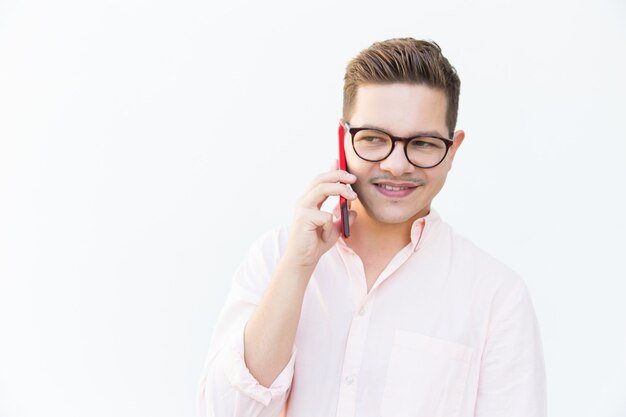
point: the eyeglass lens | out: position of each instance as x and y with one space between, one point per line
423 151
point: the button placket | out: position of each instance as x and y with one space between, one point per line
355 346
355 343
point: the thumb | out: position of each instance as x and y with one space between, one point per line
337 227
351 217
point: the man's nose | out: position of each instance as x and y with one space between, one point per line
397 163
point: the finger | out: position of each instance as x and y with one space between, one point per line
333 176
327 228
335 232
315 219
351 217
317 196
320 219
338 227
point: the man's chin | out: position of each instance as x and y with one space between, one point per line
392 216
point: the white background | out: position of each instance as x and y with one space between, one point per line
145 145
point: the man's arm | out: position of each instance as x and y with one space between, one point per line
271 331
228 388
252 355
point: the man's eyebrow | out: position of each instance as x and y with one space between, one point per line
420 133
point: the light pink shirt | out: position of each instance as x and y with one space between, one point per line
446 331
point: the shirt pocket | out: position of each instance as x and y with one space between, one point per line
426 377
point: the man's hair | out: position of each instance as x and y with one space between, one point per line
405 60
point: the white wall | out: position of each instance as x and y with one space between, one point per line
145 145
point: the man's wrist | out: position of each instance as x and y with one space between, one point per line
294 270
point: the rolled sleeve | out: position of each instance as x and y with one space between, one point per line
227 388
241 379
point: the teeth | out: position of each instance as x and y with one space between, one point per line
389 187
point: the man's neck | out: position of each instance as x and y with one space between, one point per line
368 235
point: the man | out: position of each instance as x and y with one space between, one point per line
402 318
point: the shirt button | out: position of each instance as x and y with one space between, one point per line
362 311
349 379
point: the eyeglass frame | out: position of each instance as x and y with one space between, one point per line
354 130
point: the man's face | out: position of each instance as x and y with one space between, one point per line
403 110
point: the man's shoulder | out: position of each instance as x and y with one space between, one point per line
262 256
481 263
272 242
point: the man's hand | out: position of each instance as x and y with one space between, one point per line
313 232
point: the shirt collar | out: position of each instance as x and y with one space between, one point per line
420 229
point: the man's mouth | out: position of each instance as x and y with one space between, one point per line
392 188
395 190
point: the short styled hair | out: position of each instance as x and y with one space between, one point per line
404 60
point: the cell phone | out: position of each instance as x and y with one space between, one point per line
343 203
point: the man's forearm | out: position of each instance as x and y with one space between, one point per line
270 333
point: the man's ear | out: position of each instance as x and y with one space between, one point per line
459 135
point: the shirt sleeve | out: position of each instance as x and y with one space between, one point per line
227 388
512 381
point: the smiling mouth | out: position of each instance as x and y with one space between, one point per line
395 191
392 188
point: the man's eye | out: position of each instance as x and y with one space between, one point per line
427 144
373 139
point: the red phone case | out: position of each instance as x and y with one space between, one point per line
343 203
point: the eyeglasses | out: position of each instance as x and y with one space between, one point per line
423 151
